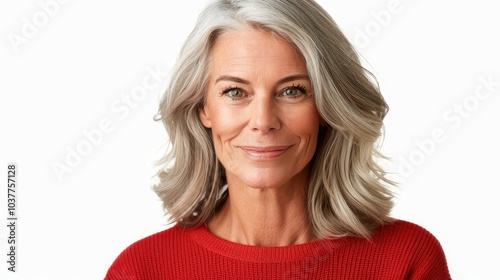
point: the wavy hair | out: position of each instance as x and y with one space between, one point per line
348 192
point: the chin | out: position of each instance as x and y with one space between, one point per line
264 185
265 180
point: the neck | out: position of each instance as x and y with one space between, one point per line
264 217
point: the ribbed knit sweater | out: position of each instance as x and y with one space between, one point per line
400 250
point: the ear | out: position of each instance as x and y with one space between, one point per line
204 114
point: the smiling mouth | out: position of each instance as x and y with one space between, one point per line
264 153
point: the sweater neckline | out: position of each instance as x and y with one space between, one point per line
203 237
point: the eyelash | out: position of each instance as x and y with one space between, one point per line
299 87
229 88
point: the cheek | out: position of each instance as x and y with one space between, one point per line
226 123
303 121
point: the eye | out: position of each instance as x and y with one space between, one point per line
293 91
234 92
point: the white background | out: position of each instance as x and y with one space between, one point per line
71 70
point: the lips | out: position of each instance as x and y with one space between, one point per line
264 153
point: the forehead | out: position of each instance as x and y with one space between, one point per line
255 49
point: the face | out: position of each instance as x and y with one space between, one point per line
259 105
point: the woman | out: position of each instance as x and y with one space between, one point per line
272 175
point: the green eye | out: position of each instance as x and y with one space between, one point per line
234 92
294 91
291 92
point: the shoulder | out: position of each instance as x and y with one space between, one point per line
414 244
399 227
405 235
155 242
134 262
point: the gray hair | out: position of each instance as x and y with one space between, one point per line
348 192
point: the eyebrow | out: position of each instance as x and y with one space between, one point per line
243 81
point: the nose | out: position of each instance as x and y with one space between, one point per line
264 115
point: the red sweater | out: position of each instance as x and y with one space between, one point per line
401 250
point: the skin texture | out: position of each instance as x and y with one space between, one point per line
259 105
